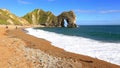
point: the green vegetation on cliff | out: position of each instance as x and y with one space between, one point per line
48 19
38 17
6 17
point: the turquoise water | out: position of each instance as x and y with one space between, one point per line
105 33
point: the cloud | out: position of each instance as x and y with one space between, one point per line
110 11
97 11
84 11
23 2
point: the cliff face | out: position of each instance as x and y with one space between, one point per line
39 17
6 17
69 17
50 20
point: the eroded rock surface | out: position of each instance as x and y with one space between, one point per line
38 17
69 17
48 19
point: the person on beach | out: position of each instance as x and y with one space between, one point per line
16 27
6 27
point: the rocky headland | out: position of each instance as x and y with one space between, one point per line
38 17
48 19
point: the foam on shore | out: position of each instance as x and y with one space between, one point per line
109 52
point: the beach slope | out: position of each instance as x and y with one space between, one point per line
19 49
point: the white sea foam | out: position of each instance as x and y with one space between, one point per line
109 52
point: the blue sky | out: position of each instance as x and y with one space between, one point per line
88 12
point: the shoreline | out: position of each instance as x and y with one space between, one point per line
83 46
57 52
40 52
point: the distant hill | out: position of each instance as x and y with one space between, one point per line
6 17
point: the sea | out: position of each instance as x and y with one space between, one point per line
97 41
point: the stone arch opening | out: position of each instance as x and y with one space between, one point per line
65 23
67 19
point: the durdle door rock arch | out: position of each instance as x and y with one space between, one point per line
39 17
48 19
69 17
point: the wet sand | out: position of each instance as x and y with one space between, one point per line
19 49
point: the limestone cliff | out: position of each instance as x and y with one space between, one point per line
6 17
39 17
69 17
48 19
